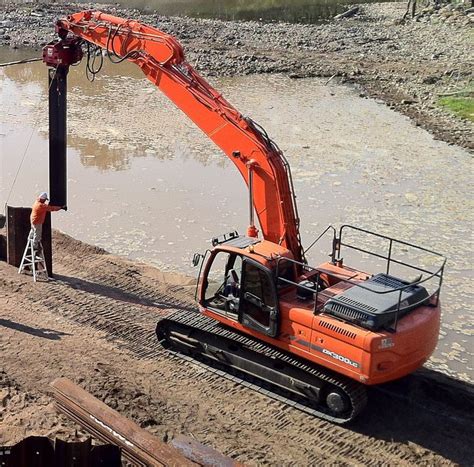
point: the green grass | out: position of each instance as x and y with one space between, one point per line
462 106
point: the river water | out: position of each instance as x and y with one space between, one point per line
146 184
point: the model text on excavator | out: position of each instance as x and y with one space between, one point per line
315 336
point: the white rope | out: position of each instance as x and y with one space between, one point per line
20 62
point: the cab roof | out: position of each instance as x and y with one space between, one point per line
262 251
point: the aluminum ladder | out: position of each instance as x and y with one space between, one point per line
33 260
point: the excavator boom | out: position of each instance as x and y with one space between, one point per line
257 157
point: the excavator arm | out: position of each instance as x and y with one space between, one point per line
161 58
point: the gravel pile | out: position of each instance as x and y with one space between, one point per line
406 64
451 14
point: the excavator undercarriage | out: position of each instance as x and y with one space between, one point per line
310 388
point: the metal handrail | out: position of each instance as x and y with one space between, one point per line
337 244
390 260
318 293
358 284
389 257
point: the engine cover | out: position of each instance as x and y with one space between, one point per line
376 309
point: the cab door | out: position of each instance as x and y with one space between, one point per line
221 283
258 307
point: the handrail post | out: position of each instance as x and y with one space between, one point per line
398 308
336 247
317 293
440 284
389 255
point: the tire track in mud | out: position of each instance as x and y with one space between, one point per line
109 295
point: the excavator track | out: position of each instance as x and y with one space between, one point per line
190 335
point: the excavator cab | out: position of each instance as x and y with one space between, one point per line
239 288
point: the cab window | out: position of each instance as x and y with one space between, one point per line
223 282
258 303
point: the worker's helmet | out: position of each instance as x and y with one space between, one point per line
43 196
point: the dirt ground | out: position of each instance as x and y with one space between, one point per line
95 325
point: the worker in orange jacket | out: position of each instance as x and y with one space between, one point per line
38 215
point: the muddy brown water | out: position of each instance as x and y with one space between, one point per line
146 184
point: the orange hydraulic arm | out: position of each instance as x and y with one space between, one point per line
257 157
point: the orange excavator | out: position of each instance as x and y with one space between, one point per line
314 337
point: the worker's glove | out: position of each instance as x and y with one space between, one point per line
64 208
